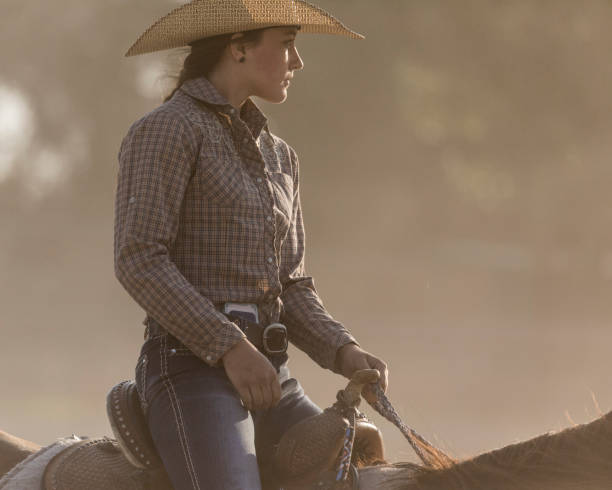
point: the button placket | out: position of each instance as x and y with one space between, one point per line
271 245
269 228
257 170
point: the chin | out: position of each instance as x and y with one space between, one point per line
276 98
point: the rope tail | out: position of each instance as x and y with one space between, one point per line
430 455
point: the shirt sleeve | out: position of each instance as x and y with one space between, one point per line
310 327
156 161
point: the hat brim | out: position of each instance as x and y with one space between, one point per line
206 18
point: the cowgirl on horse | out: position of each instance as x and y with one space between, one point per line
209 241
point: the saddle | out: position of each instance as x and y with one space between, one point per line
306 457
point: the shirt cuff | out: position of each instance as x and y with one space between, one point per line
342 341
213 352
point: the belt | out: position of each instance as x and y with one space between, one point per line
270 339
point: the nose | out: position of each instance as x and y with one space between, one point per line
295 62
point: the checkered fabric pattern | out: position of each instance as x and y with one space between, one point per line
208 211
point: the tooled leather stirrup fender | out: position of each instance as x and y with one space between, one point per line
312 447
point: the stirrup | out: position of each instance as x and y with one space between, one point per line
130 426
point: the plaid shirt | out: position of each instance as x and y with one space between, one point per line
208 211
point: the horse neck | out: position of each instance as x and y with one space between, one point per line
578 457
387 477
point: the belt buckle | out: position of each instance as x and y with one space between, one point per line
275 333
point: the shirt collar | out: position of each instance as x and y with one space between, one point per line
202 89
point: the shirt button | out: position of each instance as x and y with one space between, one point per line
209 358
245 140
270 260
259 179
132 200
269 218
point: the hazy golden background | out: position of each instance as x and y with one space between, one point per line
455 174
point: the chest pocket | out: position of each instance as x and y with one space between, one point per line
219 173
282 184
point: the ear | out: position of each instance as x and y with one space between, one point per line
237 46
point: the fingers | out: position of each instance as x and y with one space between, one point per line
384 375
356 364
271 393
262 396
245 396
276 391
368 394
266 391
258 397
376 363
253 376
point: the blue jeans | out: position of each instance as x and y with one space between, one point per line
205 437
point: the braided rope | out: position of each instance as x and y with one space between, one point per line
430 455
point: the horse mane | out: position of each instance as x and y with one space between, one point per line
576 458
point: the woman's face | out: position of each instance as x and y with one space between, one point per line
271 63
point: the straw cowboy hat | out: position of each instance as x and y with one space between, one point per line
205 18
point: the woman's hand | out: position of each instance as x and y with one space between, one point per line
351 358
252 375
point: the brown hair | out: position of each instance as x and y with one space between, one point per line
206 53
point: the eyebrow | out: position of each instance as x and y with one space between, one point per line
293 31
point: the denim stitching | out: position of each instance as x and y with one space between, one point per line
182 427
177 415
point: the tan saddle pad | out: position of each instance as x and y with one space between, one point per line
99 464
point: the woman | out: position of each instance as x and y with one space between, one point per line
209 240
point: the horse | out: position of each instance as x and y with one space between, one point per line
576 458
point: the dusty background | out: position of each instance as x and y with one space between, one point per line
455 170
